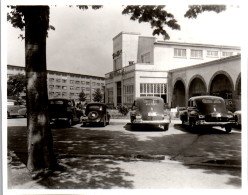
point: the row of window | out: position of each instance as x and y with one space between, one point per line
73 76
65 94
71 88
199 53
75 82
153 88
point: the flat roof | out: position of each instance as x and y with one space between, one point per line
61 72
207 63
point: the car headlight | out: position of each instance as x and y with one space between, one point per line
201 116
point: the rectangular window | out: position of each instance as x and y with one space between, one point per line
153 89
83 82
110 95
212 54
58 86
58 80
180 53
64 94
145 58
77 88
87 83
77 82
128 93
51 86
64 87
71 87
51 79
72 81
227 53
64 80
196 53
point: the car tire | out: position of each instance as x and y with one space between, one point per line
166 127
69 122
228 128
104 121
192 124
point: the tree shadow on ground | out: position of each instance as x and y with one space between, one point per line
87 173
98 173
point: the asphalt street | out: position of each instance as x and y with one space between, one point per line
120 156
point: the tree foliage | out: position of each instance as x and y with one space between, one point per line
157 16
97 95
82 96
16 84
195 10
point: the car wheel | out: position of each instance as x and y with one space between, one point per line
69 122
192 124
104 121
166 127
228 128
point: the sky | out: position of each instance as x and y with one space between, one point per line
82 40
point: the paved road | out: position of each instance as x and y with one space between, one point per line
145 157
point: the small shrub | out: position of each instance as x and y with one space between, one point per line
123 110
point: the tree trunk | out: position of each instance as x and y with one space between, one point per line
40 143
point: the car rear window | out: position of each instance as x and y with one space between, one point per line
95 107
151 101
57 102
211 101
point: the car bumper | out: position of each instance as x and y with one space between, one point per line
202 122
54 120
158 122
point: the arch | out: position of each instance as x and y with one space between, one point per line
197 86
237 94
238 85
178 97
221 84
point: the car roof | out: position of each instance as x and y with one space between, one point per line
61 99
96 103
205 96
149 97
10 100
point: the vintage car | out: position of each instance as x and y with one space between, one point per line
237 115
207 111
96 113
149 111
63 110
15 108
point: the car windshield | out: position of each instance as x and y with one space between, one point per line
207 106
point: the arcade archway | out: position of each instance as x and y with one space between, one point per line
178 99
197 87
222 86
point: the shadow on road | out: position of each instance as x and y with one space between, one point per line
86 173
83 173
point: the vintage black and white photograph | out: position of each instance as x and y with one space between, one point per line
128 97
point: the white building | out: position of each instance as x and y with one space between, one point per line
141 65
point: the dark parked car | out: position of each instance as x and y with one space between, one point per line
15 108
63 110
207 111
149 111
96 113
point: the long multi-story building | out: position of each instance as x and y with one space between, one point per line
143 66
65 84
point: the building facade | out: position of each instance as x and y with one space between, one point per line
67 85
142 65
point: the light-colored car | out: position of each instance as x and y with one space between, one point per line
15 108
237 115
149 111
